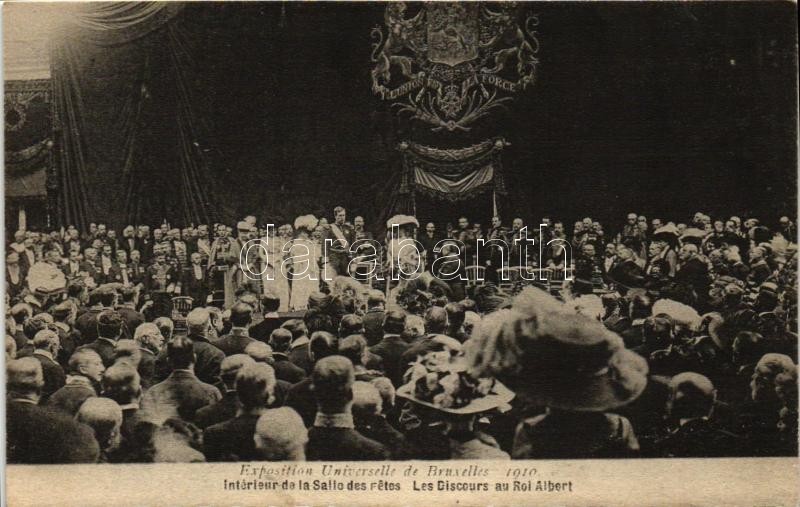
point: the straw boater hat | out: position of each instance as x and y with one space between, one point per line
440 381
561 359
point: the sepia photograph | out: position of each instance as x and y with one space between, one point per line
400 253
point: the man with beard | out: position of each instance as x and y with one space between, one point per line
136 269
609 259
144 243
195 280
517 243
203 244
160 282
626 274
179 248
119 271
128 242
106 264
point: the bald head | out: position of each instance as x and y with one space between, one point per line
281 435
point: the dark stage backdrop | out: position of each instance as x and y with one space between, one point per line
238 108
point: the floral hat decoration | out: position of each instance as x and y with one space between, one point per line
440 381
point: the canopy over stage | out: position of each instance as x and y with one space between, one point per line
210 111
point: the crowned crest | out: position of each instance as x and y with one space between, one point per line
450 63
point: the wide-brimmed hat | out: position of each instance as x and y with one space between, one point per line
576 364
402 220
561 359
668 233
307 222
440 381
693 235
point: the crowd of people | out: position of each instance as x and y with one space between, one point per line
668 340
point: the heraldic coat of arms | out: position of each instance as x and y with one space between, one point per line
451 63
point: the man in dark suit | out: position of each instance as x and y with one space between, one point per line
39 435
182 394
333 437
109 330
195 280
428 241
119 272
69 338
144 243
232 440
626 274
298 353
207 356
128 242
85 372
392 347
136 268
127 310
21 312
342 236
225 408
281 340
373 319
692 271
32 326
496 251
695 433
100 299
122 384
269 305
45 350
236 341
301 396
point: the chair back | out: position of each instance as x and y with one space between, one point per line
181 306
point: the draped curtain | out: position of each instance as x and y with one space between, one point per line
453 174
128 138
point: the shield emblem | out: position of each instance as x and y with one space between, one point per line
453 29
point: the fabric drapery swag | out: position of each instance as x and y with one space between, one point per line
453 174
28 141
113 23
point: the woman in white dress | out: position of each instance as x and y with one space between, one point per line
273 279
402 255
304 254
